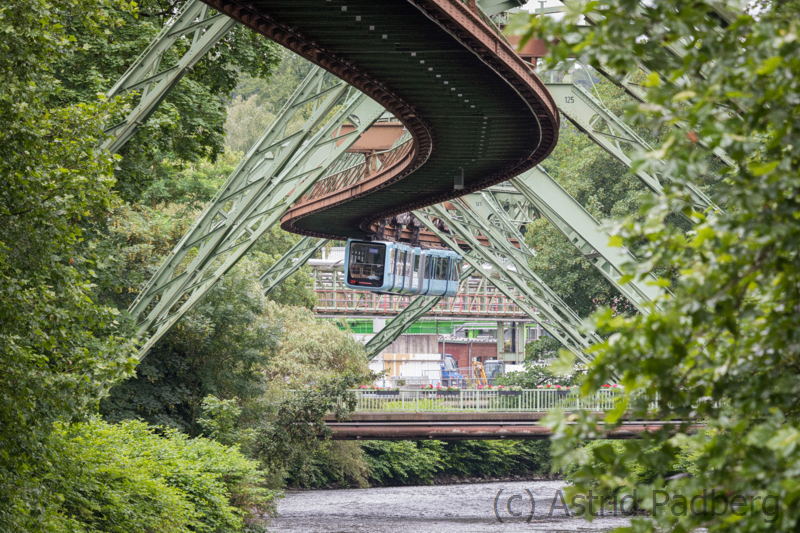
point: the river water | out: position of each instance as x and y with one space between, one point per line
463 508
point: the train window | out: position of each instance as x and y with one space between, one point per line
441 268
366 264
399 264
455 271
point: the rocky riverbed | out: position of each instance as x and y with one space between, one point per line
453 508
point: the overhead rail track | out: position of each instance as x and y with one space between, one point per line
471 105
475 115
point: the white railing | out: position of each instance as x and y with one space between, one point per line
480 400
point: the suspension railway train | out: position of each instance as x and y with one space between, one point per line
395 268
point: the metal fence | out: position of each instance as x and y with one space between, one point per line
480 400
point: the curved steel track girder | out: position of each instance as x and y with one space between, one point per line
470 103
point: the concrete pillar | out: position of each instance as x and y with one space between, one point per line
378 324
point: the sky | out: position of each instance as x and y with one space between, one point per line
535 4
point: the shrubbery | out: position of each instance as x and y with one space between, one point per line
408 463
127 478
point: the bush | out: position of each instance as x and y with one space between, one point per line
404 462
409 463
645 470
126 478
339 463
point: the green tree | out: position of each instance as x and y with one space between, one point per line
60 350
189 125
219 348
724 347
246 122
274 92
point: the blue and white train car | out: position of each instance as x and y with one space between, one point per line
395 268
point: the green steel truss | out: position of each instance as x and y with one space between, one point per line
403 320
585 233
291 262
153 83
610 133
638 92
506 267
275 173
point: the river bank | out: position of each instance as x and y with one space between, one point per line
440 479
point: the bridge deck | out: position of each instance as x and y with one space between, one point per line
474 414
463 426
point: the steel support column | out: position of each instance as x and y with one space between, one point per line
152 83
274 174
290 262
499 266
402 321
639 93
610 133
585 233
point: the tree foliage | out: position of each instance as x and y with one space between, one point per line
64 277
410 462
219 348
126 478
189 125
60 350
723 348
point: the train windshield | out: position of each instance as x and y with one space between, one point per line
366 265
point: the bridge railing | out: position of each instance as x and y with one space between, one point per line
480 400
361 170
468 305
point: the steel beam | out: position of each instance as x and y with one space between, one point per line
610 133
401 322
493 7
479 212
274 174
584 232
639 93
150 81
291 262
503 268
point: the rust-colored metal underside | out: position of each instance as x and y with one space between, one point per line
467 99
471 426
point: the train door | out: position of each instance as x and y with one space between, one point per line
453 276
438 276
416 281
409 270
391 253
399 268
424 273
